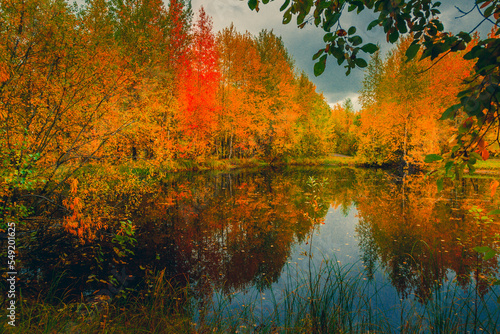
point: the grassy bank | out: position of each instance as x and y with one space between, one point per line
183 165
491 165
143 168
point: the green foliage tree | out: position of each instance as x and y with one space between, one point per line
314 133
345 119
419 19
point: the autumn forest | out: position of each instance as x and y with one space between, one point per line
104 104
112 81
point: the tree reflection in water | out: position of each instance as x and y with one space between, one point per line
235 231
423 237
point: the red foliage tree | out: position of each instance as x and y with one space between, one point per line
198 90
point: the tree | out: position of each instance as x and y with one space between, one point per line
141 31
277 112
419 19
402 101
141 28
240 68
179 24
314 123
345 122
198 90
60 84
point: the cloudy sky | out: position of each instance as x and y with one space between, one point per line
303 43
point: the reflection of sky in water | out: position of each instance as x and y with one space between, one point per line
337 240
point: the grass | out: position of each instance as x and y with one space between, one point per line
338 161
160 309
485 169
334 300
490 164
143 168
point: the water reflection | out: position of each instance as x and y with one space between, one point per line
421 236
236 231
230 231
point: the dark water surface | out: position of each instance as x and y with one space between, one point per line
251 235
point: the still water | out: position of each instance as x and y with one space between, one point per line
255 236
408 241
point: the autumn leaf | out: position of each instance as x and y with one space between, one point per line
481 149
493 187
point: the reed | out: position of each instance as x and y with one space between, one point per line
326 298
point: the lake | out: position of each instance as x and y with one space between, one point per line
365 245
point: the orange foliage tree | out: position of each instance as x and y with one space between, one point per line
198 91
62 79
239 82
399 121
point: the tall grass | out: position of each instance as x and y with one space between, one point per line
335 298
162 307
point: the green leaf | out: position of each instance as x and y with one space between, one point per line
282 8
465 36
252 4
401 24
494 212
476 156
432 157
356 40
393 37
489 10
473 53
328 37
489 254
450 112
439 183
351 30
482 249
300 18
319 67
360 62
317 54
412 51
287 17
330 21
372 24
472 169
369 48
448 166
